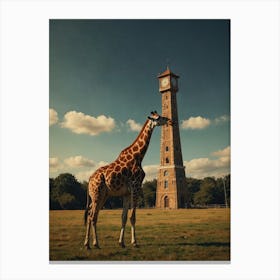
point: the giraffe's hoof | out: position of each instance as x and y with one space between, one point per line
135 245
122 244
96 246
87 246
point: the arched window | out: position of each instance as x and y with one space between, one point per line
167 160
166 148
165 184
166 202
165 173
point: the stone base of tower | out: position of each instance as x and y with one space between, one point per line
168 201
171 188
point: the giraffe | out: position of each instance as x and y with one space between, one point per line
124 178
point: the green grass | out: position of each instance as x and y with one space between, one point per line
162 235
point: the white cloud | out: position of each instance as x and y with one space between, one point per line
151 171
134 126
201 123
84 175
54 164
195 123
222 153
85 167
80 123
203 167
101 163
221 119
53 117
79 161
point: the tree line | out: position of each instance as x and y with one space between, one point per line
66 192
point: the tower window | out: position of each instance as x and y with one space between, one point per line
165 184
166 202
167 160
166 148
165 173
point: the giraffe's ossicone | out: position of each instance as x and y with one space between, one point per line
123 177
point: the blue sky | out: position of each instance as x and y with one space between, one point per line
103 85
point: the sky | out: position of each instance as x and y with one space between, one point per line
103 85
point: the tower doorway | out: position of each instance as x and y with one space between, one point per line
166 202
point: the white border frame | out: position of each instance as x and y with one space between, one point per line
254 142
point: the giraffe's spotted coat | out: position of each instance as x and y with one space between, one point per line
123 177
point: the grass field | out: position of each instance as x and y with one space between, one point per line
162 235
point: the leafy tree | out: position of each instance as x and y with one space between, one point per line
149 193
84 185
66 193
210 192
193 186
53 198
205 194
66 182
224 183
68 201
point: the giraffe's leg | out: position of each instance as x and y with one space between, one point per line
133 222
97 205
93 226
124 219
86 243
98 194
134 199
91 223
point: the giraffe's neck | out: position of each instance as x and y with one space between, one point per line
140 145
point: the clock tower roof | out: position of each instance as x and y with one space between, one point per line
167 72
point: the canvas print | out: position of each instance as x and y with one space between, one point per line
139 140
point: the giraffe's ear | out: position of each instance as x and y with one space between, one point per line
155 112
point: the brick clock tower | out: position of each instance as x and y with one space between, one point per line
171 182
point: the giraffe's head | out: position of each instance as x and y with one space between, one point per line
158 120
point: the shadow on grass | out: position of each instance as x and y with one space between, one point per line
76 258
202 244
206 244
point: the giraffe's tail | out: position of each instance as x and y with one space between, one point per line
85 216
87 209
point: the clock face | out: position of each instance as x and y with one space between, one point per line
164 82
